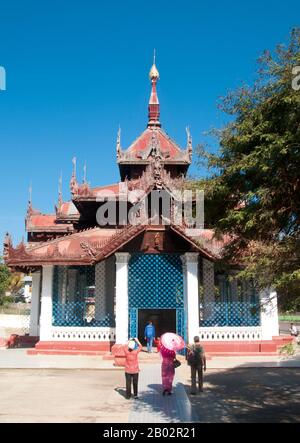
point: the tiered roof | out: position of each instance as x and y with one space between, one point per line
152 161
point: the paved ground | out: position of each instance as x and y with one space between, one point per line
243 395
58 396
152 407
96 396
87 389
18 359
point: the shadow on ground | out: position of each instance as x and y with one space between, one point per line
253 395
121 392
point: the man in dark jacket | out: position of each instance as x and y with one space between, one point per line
197 361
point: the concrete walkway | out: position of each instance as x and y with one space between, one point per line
152 407
18 359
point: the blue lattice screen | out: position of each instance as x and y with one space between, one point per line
230 314
155 282
74 298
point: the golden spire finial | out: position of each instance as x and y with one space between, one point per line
154 74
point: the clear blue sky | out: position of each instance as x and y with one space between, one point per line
77 69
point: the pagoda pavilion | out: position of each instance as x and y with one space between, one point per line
97 284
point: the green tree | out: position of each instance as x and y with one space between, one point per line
5 277
253 192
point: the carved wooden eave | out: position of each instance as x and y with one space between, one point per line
31 211
141 149
66 215
87 247
204 251
83 248
47 223
79 191
155 177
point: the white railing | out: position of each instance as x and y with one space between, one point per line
83 334
227 333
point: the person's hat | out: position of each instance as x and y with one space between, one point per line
131 345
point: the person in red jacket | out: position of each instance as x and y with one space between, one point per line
132 350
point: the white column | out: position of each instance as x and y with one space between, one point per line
191 294
269 314
46 306
35 304
122 261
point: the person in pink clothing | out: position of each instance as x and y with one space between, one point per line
167 369
132 350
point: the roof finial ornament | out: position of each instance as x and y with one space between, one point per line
74 161
189 142
84 173
29 207
154 74
60 195
7 245
30 195
154 110
119 149
74 184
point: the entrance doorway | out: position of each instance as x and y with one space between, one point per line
164 321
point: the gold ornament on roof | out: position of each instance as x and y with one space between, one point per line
154 74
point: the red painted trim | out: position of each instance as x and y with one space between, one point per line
212 348
74 346
65 352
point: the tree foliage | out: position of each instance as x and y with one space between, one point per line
4 278
253 191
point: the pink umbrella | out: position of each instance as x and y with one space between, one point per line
173 342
